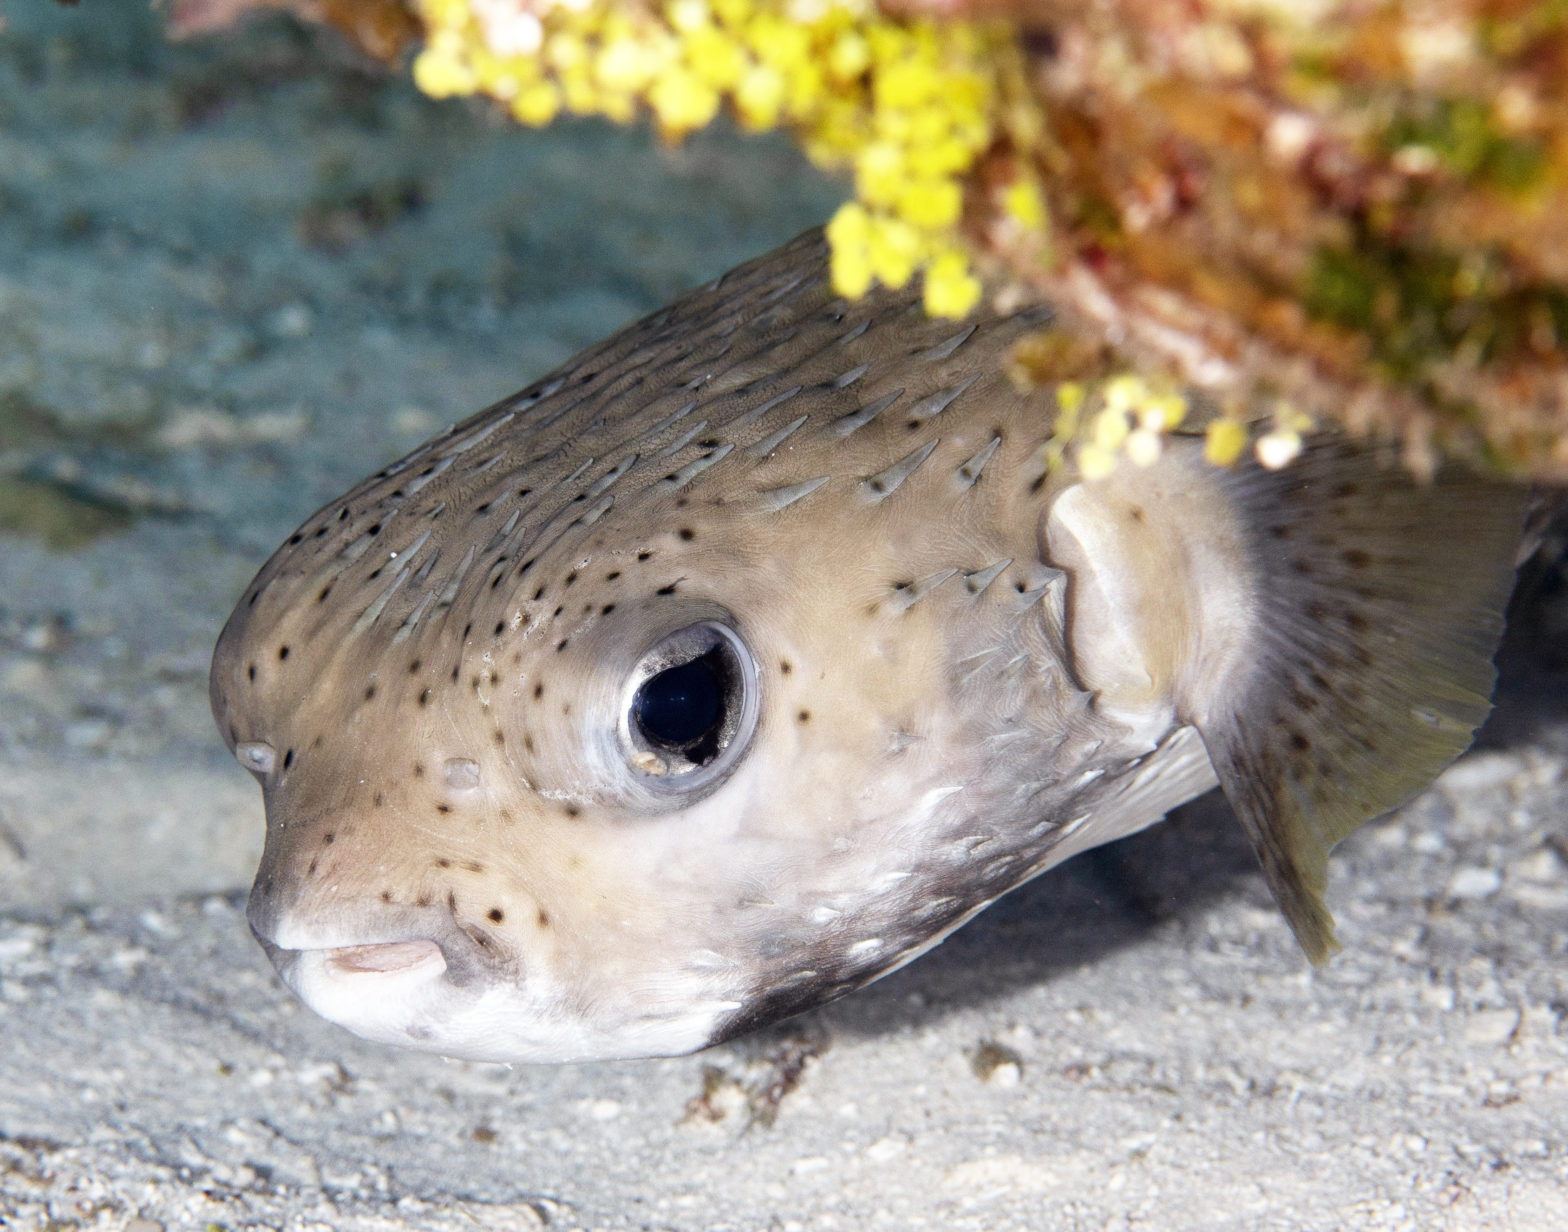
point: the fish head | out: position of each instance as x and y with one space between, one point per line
740 660
670 783
722 671
561 786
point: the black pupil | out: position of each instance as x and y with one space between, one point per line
682 708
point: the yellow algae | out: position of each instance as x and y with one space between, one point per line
951 290
907 105
1223 441
849 245
537 104
1361 211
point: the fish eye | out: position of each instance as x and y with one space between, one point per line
691 707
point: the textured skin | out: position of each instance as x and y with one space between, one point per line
967 669
920 745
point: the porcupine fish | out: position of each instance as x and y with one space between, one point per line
750 653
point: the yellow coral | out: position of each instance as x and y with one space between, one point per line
950 290
908 105
849 239
1223 441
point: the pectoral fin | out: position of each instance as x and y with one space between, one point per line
1378 604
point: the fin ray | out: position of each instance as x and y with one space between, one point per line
1379 606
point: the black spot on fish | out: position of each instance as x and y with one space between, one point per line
283 652
288 759
370 692
495 915
443 808
328 839
543 918
250 671
803 716
786 667
424 697
325 591
606 609
538 690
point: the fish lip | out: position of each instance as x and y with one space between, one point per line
369 943
365 958
370 960
404 988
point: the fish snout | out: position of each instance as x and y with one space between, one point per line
386 972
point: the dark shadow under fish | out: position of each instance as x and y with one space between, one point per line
743 658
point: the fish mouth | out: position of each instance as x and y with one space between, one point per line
402 980
416 977
386 959
396 992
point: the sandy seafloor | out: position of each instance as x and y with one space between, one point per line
236 277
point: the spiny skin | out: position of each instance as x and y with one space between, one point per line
430 680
